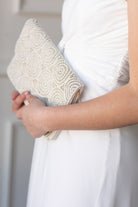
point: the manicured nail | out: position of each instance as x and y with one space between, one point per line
28 95
26 92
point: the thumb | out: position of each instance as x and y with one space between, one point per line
29 97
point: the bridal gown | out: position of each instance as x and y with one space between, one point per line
90 168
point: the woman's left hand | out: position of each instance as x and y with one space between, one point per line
31 114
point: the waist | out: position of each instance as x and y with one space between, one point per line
103 65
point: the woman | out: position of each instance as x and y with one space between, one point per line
93 162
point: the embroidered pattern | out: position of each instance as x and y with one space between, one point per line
39 66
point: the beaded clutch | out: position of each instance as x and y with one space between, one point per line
39 67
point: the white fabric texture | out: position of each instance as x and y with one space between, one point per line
90 168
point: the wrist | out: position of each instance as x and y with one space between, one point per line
47 121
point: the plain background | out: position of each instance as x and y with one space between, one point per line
16 144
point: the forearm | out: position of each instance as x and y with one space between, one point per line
115 109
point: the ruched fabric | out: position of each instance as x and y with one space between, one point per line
90 168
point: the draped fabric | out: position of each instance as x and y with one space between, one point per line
90 168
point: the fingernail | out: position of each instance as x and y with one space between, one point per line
28 95
26 92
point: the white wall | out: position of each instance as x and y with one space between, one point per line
16 144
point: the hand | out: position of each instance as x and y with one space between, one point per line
31 114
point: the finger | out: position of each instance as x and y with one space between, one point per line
18 115
29 97
14 94
19 112
18 102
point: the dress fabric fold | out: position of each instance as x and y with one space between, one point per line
90 168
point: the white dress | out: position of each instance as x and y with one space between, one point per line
90 168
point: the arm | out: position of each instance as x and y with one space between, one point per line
116 109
